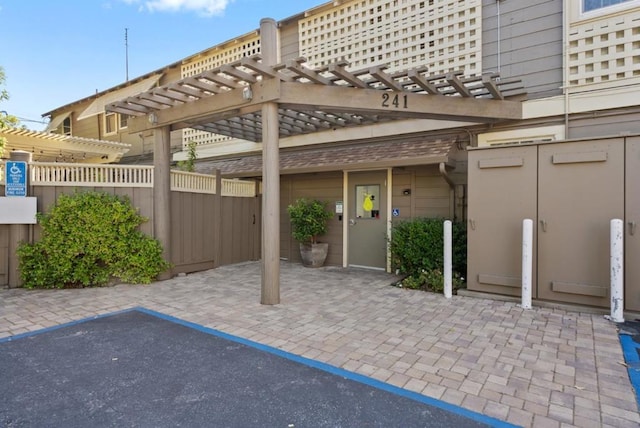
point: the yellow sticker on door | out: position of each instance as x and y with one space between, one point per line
367 205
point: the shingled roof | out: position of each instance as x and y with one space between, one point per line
379 155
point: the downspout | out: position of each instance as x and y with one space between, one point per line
452 185
498 34
565 65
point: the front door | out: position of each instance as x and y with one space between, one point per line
367 216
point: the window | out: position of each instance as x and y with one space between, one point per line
110 123
589 5
368 201
66 126
124 120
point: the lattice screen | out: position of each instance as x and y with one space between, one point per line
222 55
444 35
605 49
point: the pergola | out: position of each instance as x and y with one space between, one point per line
259 100
50 147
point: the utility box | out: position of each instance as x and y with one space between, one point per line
571 190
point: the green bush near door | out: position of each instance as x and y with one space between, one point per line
417 252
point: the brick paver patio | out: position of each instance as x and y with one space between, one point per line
542 367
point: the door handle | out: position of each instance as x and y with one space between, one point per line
472 224
632 228
352 222
543 223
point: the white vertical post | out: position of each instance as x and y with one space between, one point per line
527 262
448 282
617 270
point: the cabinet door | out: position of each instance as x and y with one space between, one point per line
502 193
581 188
632 220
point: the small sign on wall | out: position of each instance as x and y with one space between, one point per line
18 210
15 180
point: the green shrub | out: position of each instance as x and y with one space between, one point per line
87 239
309 219
431 280
417 249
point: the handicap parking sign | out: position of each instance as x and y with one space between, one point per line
15 179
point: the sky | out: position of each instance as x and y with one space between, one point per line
57 51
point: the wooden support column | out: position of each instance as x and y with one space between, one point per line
162 192
270 291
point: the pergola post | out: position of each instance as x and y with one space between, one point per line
270 291
162 192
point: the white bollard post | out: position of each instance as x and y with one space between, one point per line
448 280
527 262
617 271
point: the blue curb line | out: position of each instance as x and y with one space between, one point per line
488 420
630 350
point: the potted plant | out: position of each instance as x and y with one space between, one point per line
309 221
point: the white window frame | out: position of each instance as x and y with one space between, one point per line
114 127
126 118
607 9
67 130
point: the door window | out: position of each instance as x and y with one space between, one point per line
368 201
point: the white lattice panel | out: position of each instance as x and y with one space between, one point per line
223 54
444 35
605 48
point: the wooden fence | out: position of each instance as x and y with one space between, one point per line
208 228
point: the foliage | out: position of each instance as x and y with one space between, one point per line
88 238
432 280
417 250
309 219
189 165
6 120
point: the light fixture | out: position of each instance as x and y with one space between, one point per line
247 93
152 118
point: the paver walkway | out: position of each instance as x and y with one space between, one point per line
541 367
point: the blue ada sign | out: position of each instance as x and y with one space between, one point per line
15 180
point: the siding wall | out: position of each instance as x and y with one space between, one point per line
430 195
289 41
530 43
325 187
604 124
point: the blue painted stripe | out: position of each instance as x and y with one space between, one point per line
630 350
68 324
478 417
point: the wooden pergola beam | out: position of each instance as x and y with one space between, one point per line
396 104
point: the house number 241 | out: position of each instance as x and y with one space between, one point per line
397 101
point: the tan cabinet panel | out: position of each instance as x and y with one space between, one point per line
632 220
502 193
581 188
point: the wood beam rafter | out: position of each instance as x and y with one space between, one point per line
311 100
